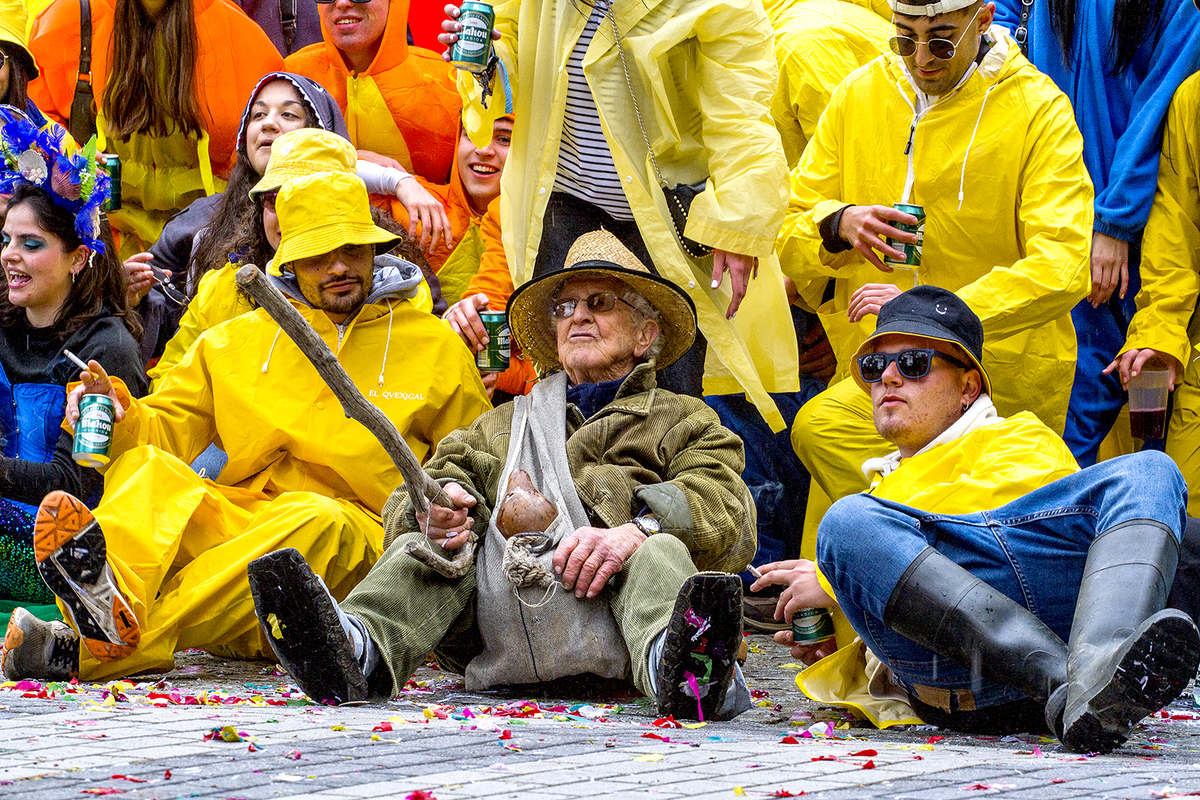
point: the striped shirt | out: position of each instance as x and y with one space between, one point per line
585 163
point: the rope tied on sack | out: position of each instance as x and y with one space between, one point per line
521 567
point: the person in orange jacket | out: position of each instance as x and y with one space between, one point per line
174 129
400 102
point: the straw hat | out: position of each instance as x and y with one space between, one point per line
306 151
322 212
13 21
599 255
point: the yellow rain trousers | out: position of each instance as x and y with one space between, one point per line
1171 279
817 44
981 470
705 74
997 165
300 474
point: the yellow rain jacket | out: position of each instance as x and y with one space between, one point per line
300 474
817 44
705 74
1171 278
981 470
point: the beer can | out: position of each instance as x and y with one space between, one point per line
112 165
93 430
912 252
812 626
473 50
494 357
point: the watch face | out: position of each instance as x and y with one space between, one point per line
649 524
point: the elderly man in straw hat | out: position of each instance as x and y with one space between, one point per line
162 564
634 487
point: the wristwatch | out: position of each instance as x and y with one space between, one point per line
647 525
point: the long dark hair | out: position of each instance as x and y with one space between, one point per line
98 289
1134 22
18 75
152 86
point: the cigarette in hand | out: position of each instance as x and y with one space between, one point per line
754 571
78 361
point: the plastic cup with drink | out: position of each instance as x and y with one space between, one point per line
1148 401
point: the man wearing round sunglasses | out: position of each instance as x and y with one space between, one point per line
1045 612
955 120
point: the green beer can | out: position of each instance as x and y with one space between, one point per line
912 252
812 626
112 166
494 357
93 430
473 50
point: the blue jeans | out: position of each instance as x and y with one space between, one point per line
1032 550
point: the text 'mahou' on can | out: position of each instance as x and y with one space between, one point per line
495 356
912 252
93 430
112 165
473 50
812 626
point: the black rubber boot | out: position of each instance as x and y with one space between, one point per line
1128 656
301 622
701 648
942 606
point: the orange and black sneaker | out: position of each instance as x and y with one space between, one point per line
72 559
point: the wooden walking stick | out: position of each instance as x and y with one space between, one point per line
421 488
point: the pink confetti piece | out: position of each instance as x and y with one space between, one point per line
695 687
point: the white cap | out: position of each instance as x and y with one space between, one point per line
929 9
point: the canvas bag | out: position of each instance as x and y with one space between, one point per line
552 634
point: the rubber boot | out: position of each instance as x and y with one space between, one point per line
941 606
1128 656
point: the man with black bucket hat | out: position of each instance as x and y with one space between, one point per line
1047 610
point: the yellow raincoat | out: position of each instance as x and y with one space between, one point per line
1171 278
705 75
817 44
300 474
998 167
981 470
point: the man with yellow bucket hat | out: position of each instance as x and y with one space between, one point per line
162 564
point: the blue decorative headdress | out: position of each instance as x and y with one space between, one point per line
29 154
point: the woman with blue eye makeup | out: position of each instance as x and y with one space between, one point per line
59 294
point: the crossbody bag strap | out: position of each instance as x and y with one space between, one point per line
82 122
633 96
1021 35
287 20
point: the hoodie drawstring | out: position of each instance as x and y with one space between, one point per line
962 178
386 344
271 352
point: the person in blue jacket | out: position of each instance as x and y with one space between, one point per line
1119 62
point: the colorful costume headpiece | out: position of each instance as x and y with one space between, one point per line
73 180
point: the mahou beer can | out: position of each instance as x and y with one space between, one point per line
112 165
93 430
495 356
473 50
812 626
912 252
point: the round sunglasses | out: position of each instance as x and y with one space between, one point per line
597 303
942 49
913 364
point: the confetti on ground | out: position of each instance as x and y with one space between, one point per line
649 757
987 787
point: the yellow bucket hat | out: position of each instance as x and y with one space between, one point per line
305 152
322 212
13 22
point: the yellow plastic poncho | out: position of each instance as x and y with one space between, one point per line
981 470
705 74
998 167
1170 272
300 474
817 44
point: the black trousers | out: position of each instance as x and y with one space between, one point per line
567 218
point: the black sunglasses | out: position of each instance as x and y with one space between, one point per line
597 303
913 364
943 49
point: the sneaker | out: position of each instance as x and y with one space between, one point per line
73 561
35 648
300 620
701 648
758 613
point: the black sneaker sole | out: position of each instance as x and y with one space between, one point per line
1153 668
703 637
301 623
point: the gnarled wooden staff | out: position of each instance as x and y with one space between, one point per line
421 488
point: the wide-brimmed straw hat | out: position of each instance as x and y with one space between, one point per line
322 212
306 151
599 255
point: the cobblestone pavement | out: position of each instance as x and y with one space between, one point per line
167 737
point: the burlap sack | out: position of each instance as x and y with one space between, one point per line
536 634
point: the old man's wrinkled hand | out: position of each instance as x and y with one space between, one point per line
587 558
449 527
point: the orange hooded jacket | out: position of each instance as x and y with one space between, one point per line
415 85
